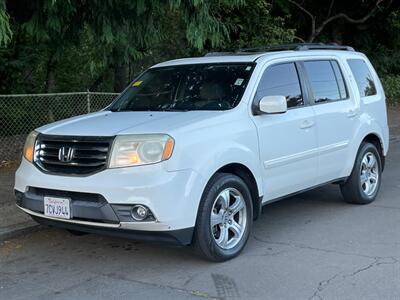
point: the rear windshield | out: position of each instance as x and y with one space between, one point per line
186 87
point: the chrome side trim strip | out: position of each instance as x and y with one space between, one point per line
146 226
88 223
333 147
284 160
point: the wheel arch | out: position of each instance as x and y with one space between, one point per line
248 177
368 130
375 139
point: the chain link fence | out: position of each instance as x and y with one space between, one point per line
20 114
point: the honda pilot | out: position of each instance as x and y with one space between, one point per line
193 148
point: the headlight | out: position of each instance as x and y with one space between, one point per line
29 148
135 150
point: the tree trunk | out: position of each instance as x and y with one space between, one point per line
94 87
311 38
121 77
51 75
337 33
51 84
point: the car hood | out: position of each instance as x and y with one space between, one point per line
107 123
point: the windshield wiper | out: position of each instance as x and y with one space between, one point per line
160 109
174 109
125 110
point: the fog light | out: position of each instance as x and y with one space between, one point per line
139 212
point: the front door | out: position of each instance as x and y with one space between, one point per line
288 141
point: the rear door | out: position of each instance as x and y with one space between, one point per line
288 142
335 113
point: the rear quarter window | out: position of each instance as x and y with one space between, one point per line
362 75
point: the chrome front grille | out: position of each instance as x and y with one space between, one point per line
72 155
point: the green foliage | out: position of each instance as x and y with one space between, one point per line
391 85
5 30
253 26
385 60
119 31
203 21
84 43
23 67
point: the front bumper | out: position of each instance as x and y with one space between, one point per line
99 217
172 197
178 237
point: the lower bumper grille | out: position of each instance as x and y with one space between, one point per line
88 207
84 206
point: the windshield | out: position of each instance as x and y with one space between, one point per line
186 87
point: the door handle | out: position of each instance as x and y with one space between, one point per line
351 113
306 124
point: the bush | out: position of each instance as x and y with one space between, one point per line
391 85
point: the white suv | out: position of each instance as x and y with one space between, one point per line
194 147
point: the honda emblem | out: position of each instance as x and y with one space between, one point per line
66 154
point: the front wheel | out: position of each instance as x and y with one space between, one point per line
224 219
364 182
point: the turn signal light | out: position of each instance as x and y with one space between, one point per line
29 147
29 153
169 147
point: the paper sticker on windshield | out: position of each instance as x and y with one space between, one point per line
239 81
248 68
137 83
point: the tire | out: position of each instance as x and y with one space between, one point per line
233 221
365 179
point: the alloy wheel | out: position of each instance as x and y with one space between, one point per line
228 219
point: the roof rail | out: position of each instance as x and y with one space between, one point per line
298 47
220 53
283 47
226 53
322 46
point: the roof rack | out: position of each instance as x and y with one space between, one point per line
220 53
227 53
322 46
283 47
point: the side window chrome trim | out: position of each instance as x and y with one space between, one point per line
346 90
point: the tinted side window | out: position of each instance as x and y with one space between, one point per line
326 80
281 80
363 77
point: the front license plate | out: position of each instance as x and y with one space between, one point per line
57 207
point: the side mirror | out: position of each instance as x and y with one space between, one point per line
273 104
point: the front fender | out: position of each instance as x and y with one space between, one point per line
236 154
205 149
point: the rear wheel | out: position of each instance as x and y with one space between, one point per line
224 219
364 182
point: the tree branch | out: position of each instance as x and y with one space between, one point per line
302 8
299 38
347 18
330 8
315 31
308 13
